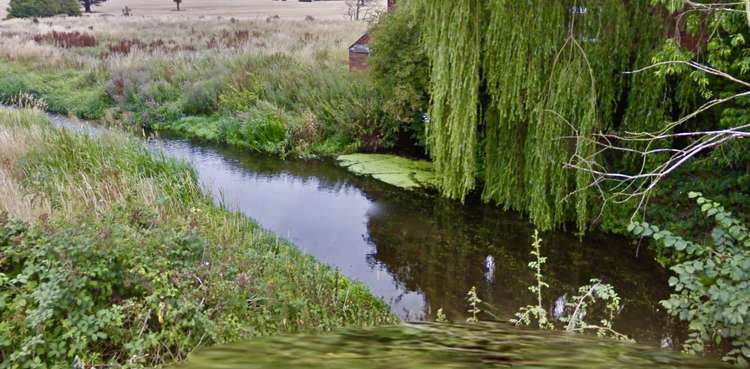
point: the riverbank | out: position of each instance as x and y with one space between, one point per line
280 87
112 255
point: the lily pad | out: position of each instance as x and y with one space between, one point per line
395 170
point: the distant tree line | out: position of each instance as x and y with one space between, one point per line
43 8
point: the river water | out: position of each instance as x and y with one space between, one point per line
416 251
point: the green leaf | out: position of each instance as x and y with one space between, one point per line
680 245
673 281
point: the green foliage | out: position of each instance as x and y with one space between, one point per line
593 299
474 302
452 35
135 268
200 128
43 8
200 97
343 104
525 314
68 92
261 129
60 287
549 72
233 99
324 108
586 301
711 283
400 70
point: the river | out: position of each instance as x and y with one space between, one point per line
416 251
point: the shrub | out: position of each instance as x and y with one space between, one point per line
711 282
400 70
43 8
344 104
77 93
200 97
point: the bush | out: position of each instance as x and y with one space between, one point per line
400 70
711 283
43 8
200 97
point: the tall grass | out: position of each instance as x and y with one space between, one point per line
120 259
162 75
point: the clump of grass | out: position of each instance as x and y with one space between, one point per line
79 93
133 265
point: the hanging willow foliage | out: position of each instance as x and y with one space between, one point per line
453 36
517 63
510 80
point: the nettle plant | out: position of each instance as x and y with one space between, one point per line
537 312
596 299
711 282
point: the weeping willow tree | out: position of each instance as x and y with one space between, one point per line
515 83
455 63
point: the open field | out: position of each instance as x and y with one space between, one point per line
201 75
229 8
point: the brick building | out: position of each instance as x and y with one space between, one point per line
359 51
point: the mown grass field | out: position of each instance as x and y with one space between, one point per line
335 9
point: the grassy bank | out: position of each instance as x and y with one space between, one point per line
279 87
110 254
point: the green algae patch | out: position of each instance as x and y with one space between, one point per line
395 170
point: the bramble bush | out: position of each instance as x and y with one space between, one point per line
711 282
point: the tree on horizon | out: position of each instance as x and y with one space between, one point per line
87 4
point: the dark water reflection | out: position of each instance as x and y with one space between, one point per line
418 252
